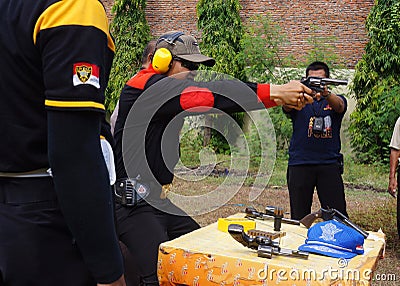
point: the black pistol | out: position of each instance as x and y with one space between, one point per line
264 245
331 214
254 214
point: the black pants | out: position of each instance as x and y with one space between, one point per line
398 202
143 228
36 246
303 179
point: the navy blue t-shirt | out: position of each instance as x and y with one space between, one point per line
310 147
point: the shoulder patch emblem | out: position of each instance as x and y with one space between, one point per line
86 73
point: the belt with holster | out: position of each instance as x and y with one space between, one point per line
130 192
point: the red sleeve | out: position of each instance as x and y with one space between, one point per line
263 94
197 99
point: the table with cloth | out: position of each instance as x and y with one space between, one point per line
209 256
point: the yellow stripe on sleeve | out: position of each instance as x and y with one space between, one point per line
78 104
74 12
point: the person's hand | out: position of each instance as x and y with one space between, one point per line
317 95
119 282
392 192
392 188
292 94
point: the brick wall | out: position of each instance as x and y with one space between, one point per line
108 5
342 19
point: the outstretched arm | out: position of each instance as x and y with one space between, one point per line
293 94
172 96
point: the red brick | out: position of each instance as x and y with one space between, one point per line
342 19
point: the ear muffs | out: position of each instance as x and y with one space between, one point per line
162 60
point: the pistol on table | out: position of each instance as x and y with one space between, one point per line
272 213
264 245
331 214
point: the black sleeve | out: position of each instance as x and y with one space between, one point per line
83 190
105 131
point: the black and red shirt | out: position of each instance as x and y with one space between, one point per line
151 112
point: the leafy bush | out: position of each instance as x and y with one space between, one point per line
131 32
377 84
222 42
219 40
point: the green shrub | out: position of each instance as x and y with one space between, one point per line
131 32
376 84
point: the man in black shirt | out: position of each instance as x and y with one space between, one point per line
57 226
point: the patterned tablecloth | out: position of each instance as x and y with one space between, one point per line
209 256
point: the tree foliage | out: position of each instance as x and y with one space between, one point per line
261 43
221 27
376 84
131 32
261 46
322 48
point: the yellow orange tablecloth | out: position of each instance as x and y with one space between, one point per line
209 256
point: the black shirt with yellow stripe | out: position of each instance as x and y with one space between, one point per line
48 61
55 59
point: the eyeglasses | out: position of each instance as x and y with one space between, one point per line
186 64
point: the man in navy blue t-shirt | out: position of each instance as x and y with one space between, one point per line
315 160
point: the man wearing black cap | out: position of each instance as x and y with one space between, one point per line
151 110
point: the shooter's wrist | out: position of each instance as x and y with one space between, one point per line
276 91
326 95
265 96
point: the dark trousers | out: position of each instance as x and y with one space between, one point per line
36 246
143 228
398 202
303 179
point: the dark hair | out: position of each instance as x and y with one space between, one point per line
148 50
318 66
187 64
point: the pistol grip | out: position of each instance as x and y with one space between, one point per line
236 231
308 220
252 213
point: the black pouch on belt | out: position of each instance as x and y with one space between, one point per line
341 163
130 192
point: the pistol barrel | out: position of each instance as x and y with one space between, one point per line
331 81
254 214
